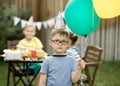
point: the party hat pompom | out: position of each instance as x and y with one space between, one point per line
59 22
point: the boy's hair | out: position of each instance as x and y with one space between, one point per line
62 32
73 38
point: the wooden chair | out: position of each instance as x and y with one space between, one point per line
12 44
93 60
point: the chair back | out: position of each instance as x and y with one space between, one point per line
93 60
12 44
93 54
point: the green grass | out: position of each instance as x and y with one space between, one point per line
3 75
107 75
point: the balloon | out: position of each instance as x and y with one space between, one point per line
81 17
107 8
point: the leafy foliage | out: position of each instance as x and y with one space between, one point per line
7 30
6 27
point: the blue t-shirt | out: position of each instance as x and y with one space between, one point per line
58 70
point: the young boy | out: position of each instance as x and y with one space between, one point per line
30 41
59 69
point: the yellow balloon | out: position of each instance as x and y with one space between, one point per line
107 8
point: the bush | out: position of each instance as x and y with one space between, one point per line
7 30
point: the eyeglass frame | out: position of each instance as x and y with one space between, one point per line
62 42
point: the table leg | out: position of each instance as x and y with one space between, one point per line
8 77
20 71
30 83
33 78
27 74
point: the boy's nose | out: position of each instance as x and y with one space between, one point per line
60 43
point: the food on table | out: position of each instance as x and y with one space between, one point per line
23 53
12 54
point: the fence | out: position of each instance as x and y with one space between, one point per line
106 36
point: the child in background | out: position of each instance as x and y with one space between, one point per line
72 50
30 41
60 69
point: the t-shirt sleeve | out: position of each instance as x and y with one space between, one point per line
21 43
39 43
74 64
45 67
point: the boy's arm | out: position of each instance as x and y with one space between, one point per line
76 75
43 78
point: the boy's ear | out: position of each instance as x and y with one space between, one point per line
50 42
67 45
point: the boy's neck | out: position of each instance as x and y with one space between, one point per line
58 53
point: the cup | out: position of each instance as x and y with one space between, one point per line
17 55
33 53
9 54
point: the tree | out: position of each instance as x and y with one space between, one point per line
7 30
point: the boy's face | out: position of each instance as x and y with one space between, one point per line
59 44
29 32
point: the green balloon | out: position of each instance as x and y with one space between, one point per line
81 17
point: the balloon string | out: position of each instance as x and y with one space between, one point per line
85 43
92 17
86 38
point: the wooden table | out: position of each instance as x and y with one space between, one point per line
23 69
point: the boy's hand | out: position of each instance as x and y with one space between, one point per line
80 64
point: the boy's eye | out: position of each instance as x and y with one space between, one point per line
63 41
57 41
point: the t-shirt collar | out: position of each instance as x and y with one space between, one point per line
59 55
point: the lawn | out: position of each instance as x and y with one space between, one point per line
107 75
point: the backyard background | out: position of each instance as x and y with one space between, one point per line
107 36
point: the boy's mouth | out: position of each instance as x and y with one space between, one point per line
59 47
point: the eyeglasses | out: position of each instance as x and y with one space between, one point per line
57 41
